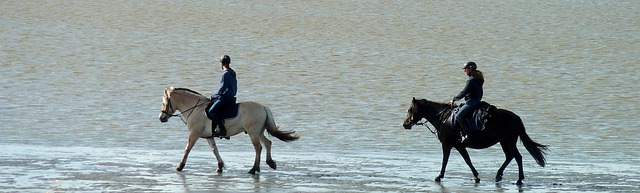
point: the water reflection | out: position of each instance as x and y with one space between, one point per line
442 189
183 180
500 188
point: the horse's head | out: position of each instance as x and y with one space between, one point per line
167 110
414 114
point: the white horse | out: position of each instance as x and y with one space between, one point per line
252 118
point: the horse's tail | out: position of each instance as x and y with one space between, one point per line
272 128
535 149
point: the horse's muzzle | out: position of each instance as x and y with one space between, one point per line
163 118
407 126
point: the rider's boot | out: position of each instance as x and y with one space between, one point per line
214 128
464 125
219 130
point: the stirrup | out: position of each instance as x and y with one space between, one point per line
216 131
463 138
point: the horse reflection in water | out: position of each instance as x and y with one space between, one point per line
253 118
503 127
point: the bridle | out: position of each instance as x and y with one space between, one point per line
181 112
164 112
433 131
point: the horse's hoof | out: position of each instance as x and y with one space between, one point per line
272 164
253 171
498 178
220 167
180 167
438 179
519 182
477 180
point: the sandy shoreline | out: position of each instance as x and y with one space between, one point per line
34 168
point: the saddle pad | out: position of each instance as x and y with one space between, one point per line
228 112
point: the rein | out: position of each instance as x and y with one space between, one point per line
184 120
426 125
434 132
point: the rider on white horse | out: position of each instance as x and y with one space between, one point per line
225 96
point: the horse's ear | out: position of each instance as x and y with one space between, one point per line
414 99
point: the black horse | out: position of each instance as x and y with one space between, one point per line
503 127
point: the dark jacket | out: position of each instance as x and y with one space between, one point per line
472 91
228 86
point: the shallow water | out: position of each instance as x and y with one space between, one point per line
81 86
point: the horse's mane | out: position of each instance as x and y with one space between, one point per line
433 103
190 91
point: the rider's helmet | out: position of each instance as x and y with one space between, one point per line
470 65
225 59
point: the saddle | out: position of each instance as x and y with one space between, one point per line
230 111
478 118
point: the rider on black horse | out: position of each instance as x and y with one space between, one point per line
472 94
225 96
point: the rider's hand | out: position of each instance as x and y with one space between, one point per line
453 103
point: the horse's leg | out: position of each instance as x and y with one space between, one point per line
255 139
518 157
446 151
267 144
212 144
465 156
509 156
190 142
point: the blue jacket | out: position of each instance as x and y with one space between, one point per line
228 86
472 90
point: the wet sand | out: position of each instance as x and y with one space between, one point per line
69 169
